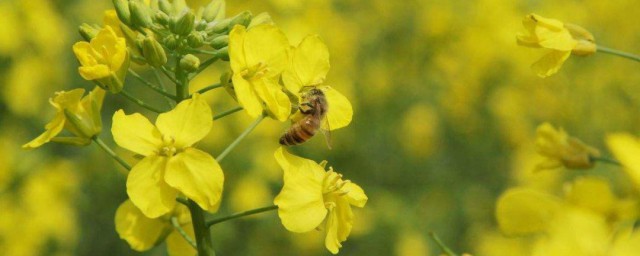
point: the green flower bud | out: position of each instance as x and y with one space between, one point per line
262 18
243 18
189 63
140 14
153 52
171 42
183 24
88 31
122 9
218 27
165 6
195 39
214 11
220 41
223 54
201 25
161 18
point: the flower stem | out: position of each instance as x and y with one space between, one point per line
618 53
226 113
203 235
607 160
111 153
170 102
241 214
168 75
204 65
244 134
152 86
208 88
176 225
139 102
442 246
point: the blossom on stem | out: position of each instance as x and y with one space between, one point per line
143 233
257 57
308 67
171 164
77 114
311 195
560 39
104 60
560 149
626 148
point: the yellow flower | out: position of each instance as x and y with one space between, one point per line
309 65
626 148
559 149
258 56
312 195
171 164
104 60
79 115
561 40
142 233
522 211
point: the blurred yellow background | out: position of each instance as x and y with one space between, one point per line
445 110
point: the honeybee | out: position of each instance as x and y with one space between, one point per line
314 108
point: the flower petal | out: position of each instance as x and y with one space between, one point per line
300 203
266 44
94 72
147 189
522 211
197 175
52 129
626 148
356 195
141 232
340 110
277 101
550 63
236 49
247 96
187 123
135 133
311 61
178 246
83 52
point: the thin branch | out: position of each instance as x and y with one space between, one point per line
139 101
615 52
242 136
241 214
177 227
226 113
113 154
152 86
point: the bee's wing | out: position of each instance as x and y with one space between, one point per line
326 131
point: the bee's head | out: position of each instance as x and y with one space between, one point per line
314 92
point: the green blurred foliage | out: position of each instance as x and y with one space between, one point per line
445 109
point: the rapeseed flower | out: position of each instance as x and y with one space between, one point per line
171 165
560 149
312 195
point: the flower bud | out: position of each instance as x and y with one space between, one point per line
214 11
122 9
243 18
171 42
183 24
262 18
153 52
165 6
218 27
140 14
586 42
88 31
223 53
161 18
220 41
195 39
189 63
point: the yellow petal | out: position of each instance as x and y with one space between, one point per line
68 99
236 49
522 211
266 44
300 203
626 148
247 96
340 110
141 232
94 72
178 246
52 129
197 175
292 81
331 241
311 61
339 225
106 42
135 133
550 63
187 123
277 101
147 189
84 53
592 193
356 195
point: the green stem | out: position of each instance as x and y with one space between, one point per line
208 88
203 235
202 51
607 160
237 141
170 102
168 75
241 214
109 151
177 227
618 53
442 246
152 86
226 113
204 65
139 101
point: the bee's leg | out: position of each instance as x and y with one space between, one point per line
308 110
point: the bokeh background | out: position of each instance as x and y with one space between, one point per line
445 110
